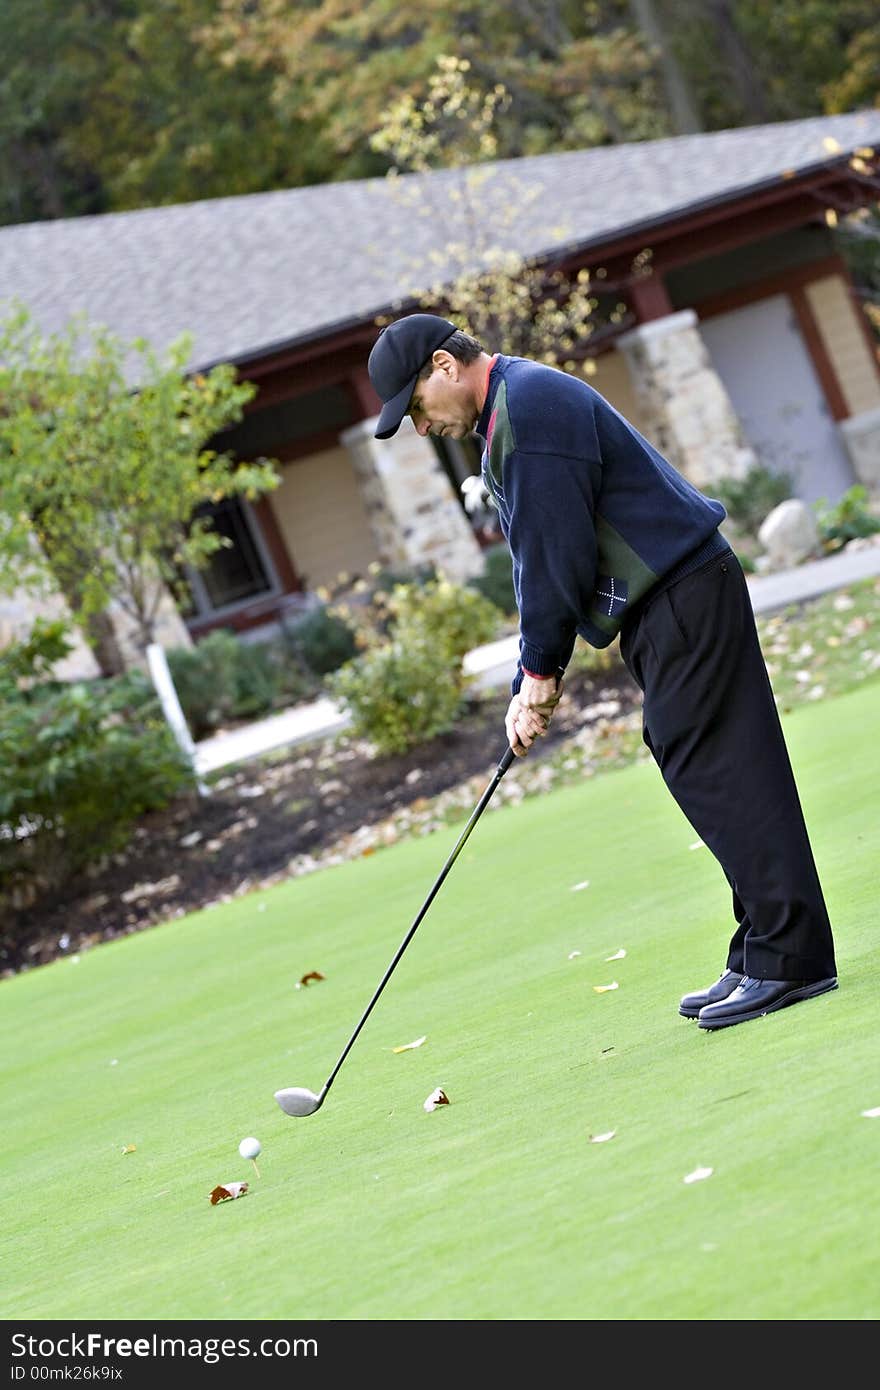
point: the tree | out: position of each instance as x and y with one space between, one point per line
578 74
184 125
679 97
43 91
482 284
100 479
109 104
859 85
748 62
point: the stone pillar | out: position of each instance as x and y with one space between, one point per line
861 434
414 515
690 416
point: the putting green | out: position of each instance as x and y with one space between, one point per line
130 1075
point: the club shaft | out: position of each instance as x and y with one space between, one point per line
475 816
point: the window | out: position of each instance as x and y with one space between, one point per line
240 570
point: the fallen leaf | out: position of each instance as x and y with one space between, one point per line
698 1174
618 955
312 975
872 1114
405 1047
576 887
601 1138
146 890
129 1148
603 989
226 1190
437 1097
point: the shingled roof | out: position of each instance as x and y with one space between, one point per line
249 273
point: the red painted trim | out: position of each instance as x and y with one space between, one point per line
868 333
287 371
649 298
815 345
312 444
240 621
275 544
362 391
703 232
782 283
793 284
252 615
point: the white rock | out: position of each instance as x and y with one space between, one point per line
789 534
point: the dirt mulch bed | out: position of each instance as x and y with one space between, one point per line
264 816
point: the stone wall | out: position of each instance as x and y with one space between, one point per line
861 434
413 512
18 613
687 411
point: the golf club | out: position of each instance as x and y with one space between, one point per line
298 1100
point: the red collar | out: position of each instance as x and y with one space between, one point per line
486 382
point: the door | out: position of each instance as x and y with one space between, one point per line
760 355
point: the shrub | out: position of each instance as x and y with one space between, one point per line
449 616
398 696
323 640
587 659
749 500
410 686
364 604
222 679
81 762
496 581
849 519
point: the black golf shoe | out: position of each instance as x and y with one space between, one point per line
753 998
691 1004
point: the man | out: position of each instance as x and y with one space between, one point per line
608 540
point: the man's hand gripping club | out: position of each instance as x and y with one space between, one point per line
530 711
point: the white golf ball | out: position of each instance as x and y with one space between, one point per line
249 1148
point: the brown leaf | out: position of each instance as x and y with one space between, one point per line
312 975
129 1148
226 1190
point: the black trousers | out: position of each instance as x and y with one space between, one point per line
711 723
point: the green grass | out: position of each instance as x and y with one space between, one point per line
497 1206
824 647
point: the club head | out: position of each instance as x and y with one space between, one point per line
298 1100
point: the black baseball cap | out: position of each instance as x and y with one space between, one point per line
399 353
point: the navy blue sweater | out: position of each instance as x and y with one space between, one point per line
594 516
